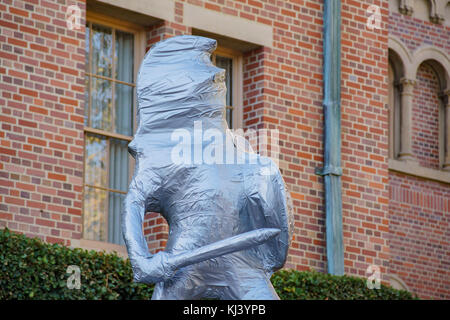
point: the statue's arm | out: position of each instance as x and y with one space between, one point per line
147 268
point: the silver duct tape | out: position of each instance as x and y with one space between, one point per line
230 222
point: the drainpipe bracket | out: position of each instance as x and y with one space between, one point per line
327 170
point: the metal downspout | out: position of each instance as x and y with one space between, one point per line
332 170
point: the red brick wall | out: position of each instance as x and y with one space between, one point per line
364 139
419 208
419 234
41 137
414 32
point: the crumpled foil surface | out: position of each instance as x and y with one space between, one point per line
181 126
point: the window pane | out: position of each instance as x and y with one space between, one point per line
96 161
124 109
227 64
118 165
95 210
101 108
101 50
118 180
229 118
124 56
86 101
107 160
115 210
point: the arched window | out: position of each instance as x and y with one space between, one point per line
436 63
394 76
428 121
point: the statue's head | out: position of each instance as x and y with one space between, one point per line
177 84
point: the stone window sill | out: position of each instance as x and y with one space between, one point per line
120 250
414 169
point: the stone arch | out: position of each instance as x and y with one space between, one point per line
401 55
447 13
397 283
437 59
399 66
440 64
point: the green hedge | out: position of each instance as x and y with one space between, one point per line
32 269
312 285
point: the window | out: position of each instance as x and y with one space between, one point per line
231 61
109 126
394 113
397 88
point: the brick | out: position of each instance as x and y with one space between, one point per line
7 24
38 110
46 223
38 47
28 92
18 42
37 141
7 151
48 65
211 6
55 176
19 12
27 123
26 29
54 240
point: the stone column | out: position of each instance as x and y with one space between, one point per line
446 141
406 119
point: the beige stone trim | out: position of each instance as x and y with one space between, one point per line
100 246
410 65
201 18
396 45
442 62
436 11
227 25
407 96
414 169
422 10
397 283
394 6
431 53
393 104
406 7
446 164
162 9
427 10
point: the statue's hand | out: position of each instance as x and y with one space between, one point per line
153 269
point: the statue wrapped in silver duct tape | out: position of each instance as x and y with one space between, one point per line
228 210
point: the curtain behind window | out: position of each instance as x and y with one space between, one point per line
109 110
